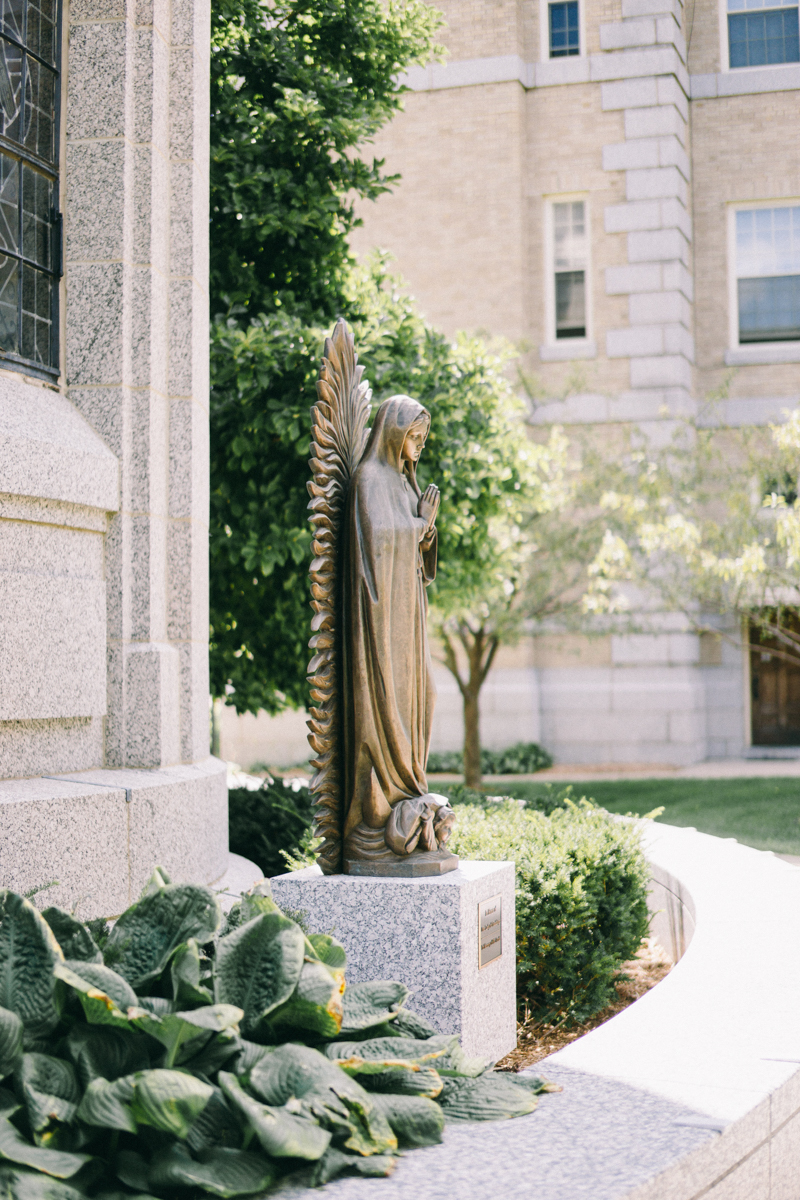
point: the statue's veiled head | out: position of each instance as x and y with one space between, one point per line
398 434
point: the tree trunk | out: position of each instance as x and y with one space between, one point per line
472 738
480 647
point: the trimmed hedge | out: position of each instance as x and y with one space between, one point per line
262 823
581 897
520 759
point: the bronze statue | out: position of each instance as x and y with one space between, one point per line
371 683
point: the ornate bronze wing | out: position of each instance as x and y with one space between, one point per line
338 437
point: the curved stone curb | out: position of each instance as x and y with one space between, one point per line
693 1091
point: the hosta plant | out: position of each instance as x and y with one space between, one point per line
184 1054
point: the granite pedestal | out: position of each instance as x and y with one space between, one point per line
426 933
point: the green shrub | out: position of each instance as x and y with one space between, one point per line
545 798
581 897
186 1055
522 759
265 822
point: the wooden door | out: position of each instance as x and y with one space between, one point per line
775 692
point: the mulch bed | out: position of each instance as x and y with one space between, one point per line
536 1041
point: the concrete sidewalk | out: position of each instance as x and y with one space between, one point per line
723 768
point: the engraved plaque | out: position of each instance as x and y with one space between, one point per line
490 930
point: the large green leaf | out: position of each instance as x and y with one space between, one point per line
18 1184
338 1102
415 1120
175 1030
11 1034
489 1098
375 1055
217 1125
258 966
411 1024
328 950
185 971
295 1071
147 933
533 1083
72 936
169 1100
282 1134
222 1172
109 1103
368 1004
258 900
249 1054
455 1062
100 1006
315 1005
16 1149
400 1081
207 1058
28 954
131 1169
104 1052
334 1162
49 1090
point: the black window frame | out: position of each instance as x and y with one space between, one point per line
8 359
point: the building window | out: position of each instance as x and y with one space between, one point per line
768 274
30 229
569 263
762 32
564 35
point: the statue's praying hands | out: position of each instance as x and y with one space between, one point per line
428 507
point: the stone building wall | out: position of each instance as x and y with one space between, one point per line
104 726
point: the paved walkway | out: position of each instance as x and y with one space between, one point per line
723 768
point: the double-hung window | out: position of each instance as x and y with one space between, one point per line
570 254
30 230
767 248
762 32
564 33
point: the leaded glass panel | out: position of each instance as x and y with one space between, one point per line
29 223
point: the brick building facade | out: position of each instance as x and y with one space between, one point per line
616 185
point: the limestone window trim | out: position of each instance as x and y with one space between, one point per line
556 349
544 34
724 43
752 353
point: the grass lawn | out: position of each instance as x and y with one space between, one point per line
764 813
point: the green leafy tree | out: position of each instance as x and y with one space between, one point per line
297 89
499 488
709 527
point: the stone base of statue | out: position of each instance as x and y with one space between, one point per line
449 938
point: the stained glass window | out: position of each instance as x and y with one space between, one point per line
30 228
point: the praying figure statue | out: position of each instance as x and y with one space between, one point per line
371 680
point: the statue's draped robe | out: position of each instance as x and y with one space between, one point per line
389 692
